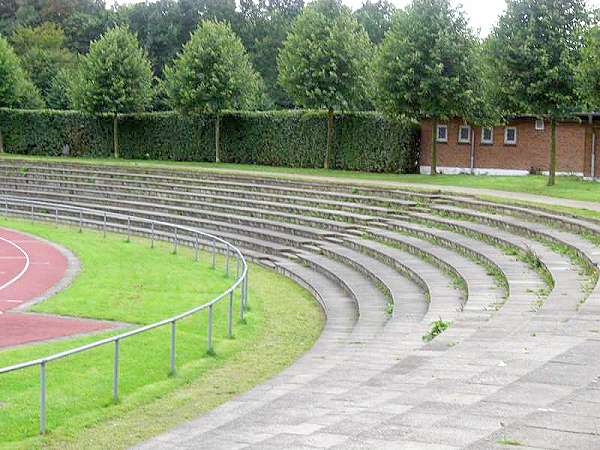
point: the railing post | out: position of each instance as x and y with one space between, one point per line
152 235
6 208
175 242
116 373
197 248
246 294
210 320
80 221
128 228
237 271
56 216
104 226
173 328
227 262
230 316
214 251
31 213
43 397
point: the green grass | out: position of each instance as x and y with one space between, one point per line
569 187
129 282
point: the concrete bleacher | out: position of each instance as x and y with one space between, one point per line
384 264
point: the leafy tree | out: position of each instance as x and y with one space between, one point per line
375 17
533 53
195 11
61 88
587 72
264 25
324 60
114 77
212 73
426 69
42 52
16 89
82 20
157 25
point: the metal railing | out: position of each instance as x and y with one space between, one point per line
154 230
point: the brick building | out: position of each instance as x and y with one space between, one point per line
519 147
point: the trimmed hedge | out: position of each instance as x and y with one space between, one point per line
362 141
47 132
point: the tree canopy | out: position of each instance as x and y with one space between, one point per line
213 72
16 88
115 76
426 66
324 61
376 18
533 53
42 52
587 72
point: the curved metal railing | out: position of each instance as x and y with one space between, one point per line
155 230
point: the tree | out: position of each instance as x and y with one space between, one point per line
61 89
425 66
264 25
324 60
16 89
587 72
158 28
42 53
533 54
114 77
212 73
375 17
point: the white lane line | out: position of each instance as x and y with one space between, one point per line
20 274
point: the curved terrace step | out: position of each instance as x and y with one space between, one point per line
406 299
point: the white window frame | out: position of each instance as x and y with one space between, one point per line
506 140
539 124
437 133
460 139
491 139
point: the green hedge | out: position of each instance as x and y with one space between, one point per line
362 141
47 132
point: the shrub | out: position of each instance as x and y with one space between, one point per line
363 141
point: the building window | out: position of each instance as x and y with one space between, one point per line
442 133
510 135
487 135
464 134
539 124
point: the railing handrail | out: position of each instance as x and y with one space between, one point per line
19 205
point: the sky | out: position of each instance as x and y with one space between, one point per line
482 13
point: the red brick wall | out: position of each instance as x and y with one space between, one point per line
531 150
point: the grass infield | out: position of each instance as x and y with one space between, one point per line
129 282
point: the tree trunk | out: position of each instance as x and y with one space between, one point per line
217 137
115 136
552 171
329 156
434 148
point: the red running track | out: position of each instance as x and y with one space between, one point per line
29 268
